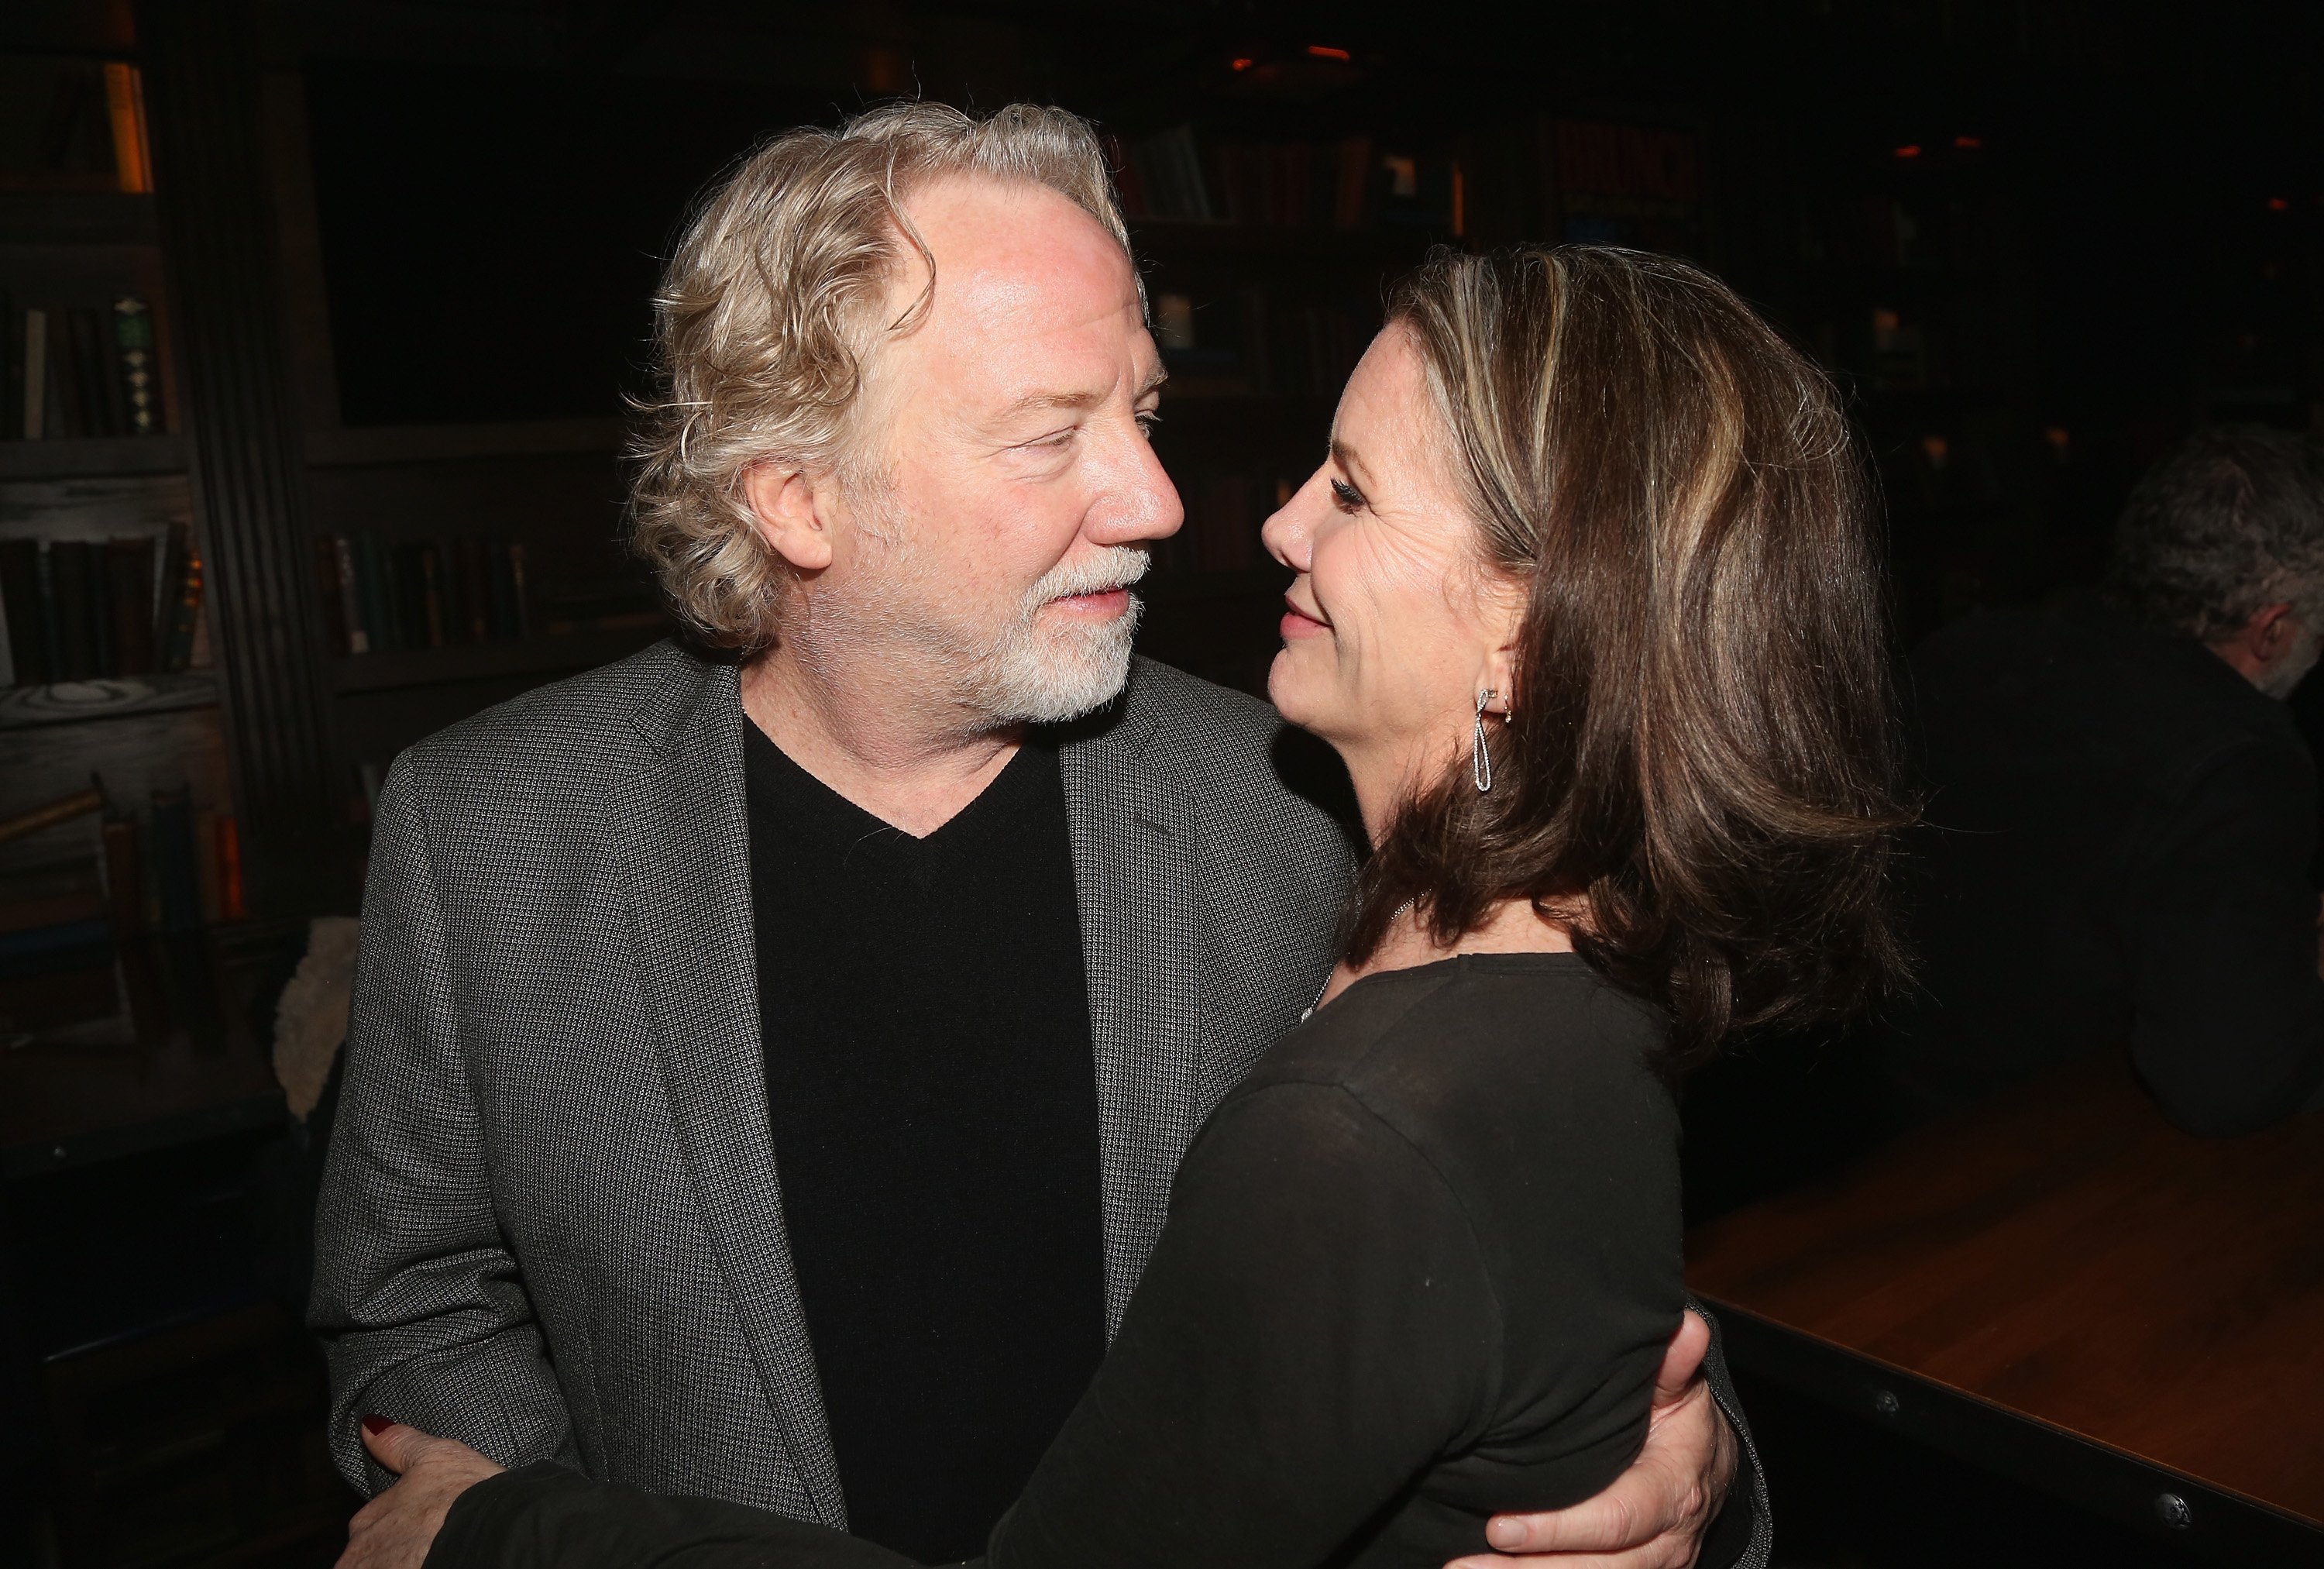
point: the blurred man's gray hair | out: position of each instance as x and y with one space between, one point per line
2230 523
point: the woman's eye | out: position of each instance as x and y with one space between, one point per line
1347 497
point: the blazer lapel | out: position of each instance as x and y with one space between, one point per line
1132 826
690 900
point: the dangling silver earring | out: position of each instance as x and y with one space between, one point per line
1481 756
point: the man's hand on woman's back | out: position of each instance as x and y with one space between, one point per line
1656 1514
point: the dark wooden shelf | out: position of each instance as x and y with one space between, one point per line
361 445
77 218
91 456
404 667
118 697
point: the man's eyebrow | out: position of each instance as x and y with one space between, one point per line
1345 456
1153 383
1038 402
1033 402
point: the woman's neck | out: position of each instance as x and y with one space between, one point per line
1512 927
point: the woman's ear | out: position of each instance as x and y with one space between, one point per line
788 507
1503 615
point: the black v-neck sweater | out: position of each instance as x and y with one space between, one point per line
933 1102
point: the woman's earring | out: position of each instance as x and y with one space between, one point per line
1481 756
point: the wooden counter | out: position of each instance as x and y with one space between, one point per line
2061 1287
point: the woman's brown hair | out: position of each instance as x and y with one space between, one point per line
1697 772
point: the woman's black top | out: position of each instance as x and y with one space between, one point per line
1420 1268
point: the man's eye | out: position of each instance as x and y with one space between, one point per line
1147 420
1347 497
1050 442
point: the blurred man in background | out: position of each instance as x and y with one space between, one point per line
2121 814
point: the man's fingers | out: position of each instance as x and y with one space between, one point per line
1682 1359
393 1444
1624 1517
1663 1553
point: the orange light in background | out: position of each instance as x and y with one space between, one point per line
1936 449
1968 143
2059 438
1243 63
1325 52
2278 204
1910 150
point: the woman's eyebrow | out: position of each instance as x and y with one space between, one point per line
1345 456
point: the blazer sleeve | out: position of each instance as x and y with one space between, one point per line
1743 1536
420 1304
2227 1027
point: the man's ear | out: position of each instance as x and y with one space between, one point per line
789 508
2271 630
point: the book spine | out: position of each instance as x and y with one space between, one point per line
227 840
69 364
185 605
109 386
432 595
68 575
103 663
125 102
503 590
325 559
520 595
12 369
52 632
206 893
176 876
129 571
19 584
124 881
132 336
349 588
369 592
36 375
475 593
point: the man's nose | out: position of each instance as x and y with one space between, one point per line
1137 502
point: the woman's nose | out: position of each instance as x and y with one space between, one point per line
1288 534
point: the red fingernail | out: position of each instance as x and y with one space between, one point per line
376 1425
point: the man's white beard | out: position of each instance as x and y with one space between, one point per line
1022 672
1038 674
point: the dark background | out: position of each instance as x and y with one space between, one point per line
2117 207
2034 242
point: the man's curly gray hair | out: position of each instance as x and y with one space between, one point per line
2229 523
766 314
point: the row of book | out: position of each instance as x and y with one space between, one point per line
79 370
1248 342
73 123
70 900
379 595
81 610
1346 185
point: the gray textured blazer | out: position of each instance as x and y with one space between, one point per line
552 1223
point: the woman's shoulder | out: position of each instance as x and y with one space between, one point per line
1447 1052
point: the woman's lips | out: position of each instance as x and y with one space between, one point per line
1298 622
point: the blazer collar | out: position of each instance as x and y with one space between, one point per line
689 881
1132 819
